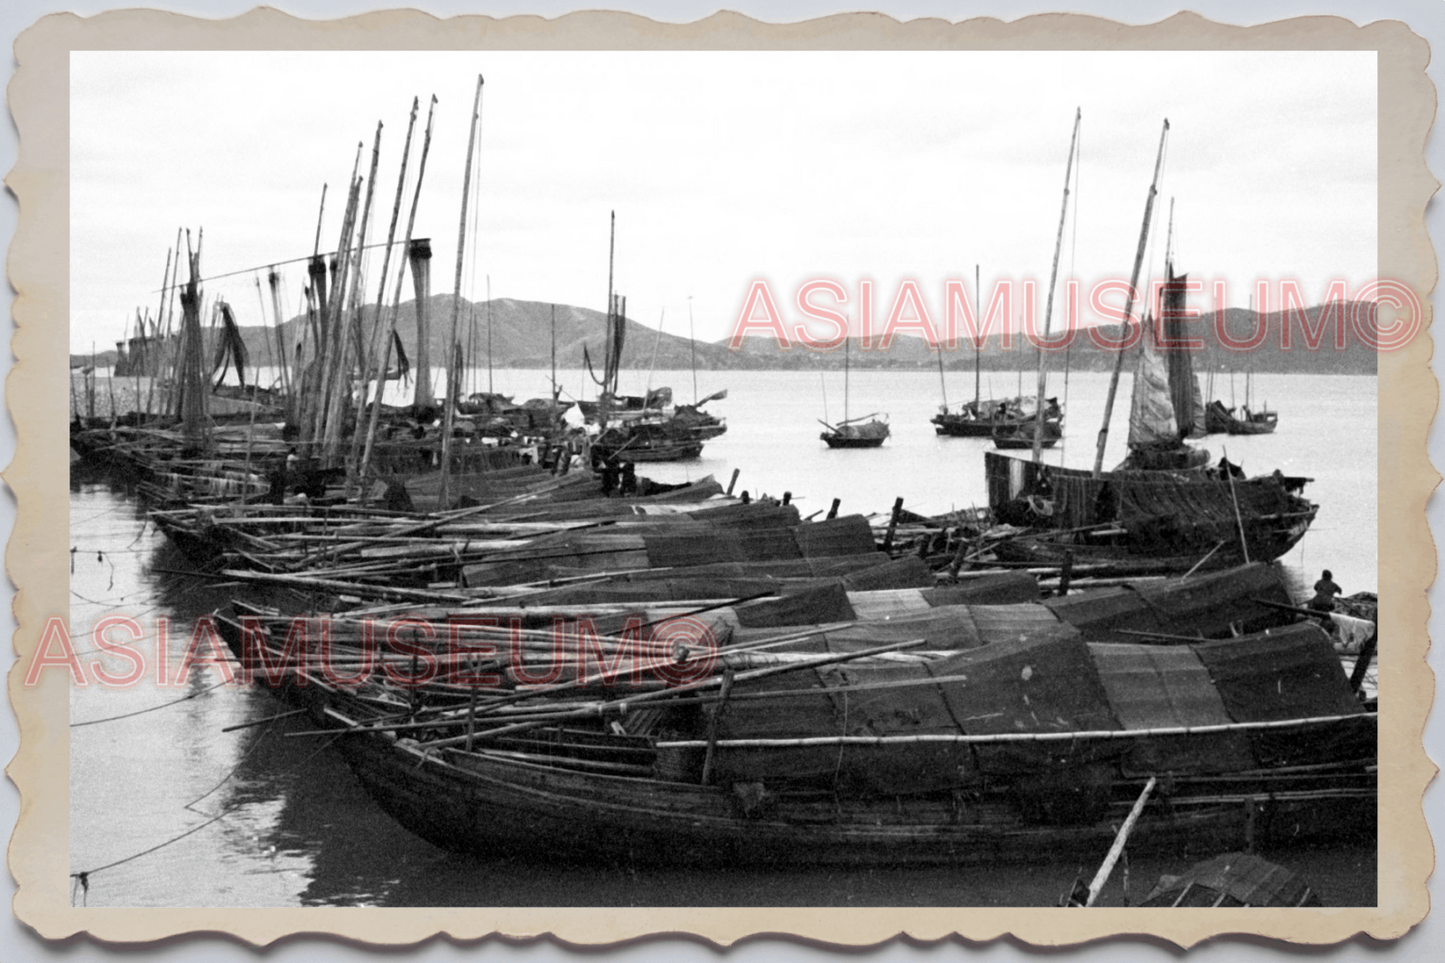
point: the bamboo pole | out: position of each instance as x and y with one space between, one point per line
710 682
1234 497
154 370
74 399
380 354
288 379
345 588
396 301
1102 876
345 347
171 358
1206 558
1129 304
1099 735
977 350
449 414
334 339
1049 303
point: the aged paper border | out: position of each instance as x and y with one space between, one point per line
37 562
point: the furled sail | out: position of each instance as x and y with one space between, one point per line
1151 413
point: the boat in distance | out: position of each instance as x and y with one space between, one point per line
1222 420
1016 436
865 432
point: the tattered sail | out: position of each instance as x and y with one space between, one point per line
1198 429
230 348
1151 413
403 364
1183 388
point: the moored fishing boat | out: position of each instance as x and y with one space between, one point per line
1163 520
1162 508
866 432
1020 434
982 418
1016 749
1223 420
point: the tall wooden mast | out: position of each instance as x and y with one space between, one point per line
453 347
1129 303
1049 304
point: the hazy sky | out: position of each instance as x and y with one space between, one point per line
723 168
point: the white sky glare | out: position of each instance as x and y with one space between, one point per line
723 167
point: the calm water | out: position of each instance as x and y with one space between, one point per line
296 828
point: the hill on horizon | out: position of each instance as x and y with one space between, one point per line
521 337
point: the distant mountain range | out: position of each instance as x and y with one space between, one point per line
521 337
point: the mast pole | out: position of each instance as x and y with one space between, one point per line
942 386
396 299
611 311
153 371
692 348
555 389
380 353
1129 302
978 321
653 367
449 413
321 211
1249 368
489 334
1049 304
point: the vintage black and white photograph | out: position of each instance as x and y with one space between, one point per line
522 478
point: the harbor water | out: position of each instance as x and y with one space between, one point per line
264 815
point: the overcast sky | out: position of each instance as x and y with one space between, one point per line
723 168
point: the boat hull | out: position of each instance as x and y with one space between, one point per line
1219 420
954 427
556 793
844 442
491 806
870 434
1172 519
1020 436
679 451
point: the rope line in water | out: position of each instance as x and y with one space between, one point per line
91 601
115 551
127 715
227 777
82 877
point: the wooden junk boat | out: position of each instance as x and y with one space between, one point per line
647 427
1222 420
862 745
646 442
1162 509
1019 435
985 419
865 432
1156 520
